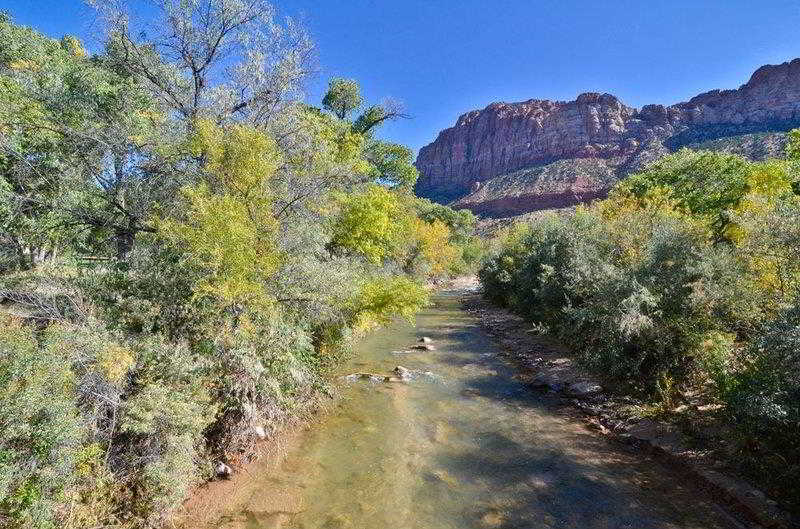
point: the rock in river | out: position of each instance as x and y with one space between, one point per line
583 389
403 373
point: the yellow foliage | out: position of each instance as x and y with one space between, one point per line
434 245
621 202
114 362
631 219
372 223
240 158
766 184
87 460
769 179
24 65
229 226
766 235
95 496
382 299
771 264
750 222
74 46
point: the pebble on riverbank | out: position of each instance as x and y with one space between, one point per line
223 471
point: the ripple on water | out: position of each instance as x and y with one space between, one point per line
476 451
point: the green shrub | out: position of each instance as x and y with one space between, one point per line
266 370
161 427
636 309
763 401
152 293
40 428
765 397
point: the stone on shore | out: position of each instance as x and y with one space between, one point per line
223 471
260 432
583 389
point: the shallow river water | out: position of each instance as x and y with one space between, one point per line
467 448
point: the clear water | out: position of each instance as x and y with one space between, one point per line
473 449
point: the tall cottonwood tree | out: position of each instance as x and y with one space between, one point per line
391 163
214 59
343 97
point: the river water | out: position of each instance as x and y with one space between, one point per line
465 446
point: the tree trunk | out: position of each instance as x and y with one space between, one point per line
124 241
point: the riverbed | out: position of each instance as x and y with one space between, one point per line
461 445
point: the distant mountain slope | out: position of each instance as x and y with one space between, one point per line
510 158
556 185
758 146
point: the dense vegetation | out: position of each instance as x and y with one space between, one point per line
185 248
685 278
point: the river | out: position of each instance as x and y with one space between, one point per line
464 446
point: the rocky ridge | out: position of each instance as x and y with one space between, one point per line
558 154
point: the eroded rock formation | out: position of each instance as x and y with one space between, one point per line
594 140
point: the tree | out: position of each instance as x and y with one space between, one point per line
461 221
375 115
432 244
709 184
371 223
84 149
216 59
321 156
392 164
343 97
229 227
382 299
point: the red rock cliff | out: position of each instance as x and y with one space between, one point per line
507 137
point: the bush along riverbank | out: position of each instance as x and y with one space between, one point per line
182 262
680 290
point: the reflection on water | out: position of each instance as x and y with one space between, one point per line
469 448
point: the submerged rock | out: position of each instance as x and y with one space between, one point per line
398 374
493 519
371 377
433 377
547 382
423 347
375 378
403 373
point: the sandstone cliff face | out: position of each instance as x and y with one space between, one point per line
506 137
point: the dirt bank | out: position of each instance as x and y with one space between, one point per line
212 501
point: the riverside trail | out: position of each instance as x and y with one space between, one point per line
462 444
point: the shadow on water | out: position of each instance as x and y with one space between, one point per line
525 466
475 450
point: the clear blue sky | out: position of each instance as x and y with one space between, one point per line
445 57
